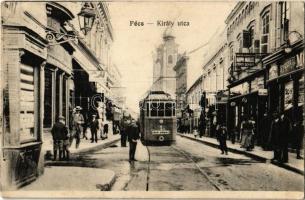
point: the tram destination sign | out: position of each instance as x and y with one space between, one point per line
160 132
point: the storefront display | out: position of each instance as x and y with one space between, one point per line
288 95
27 103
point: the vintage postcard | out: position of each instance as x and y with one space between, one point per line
152 99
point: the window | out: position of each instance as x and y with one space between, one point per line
168 109
154 109
265 31
170 59
161 110
251 37
266 23
284 20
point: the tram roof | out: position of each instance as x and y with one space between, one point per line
158 95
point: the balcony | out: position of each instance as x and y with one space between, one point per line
245 63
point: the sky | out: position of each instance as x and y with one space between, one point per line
133 46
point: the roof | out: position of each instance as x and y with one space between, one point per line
196 83
158 95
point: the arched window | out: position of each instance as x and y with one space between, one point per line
170 59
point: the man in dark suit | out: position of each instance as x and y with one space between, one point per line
59 133
94 126
133 134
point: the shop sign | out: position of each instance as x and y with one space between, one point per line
262 92
300 60
273 71
288 66
288 95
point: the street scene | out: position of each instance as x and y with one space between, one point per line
108 97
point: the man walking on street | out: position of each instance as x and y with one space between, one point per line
133 135
78 121
94 126
59 133
222 139
123 133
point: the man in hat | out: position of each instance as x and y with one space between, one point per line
133 135
59 133
94 126
78 121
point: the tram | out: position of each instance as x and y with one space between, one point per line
158 123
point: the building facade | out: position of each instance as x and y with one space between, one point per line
181 86
258 34
164 75
53 63
193 111
215 76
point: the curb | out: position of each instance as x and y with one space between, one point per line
249 154
87 150
97 147
106 186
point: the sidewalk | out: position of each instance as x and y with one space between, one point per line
85 145
61 178
258 153
72 178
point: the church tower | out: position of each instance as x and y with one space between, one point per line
164 63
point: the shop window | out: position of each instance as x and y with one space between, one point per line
284 20
301 95
28 102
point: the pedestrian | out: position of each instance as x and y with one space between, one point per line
94 126
101 130
264 131
66 150
59 134
298 131
133 135
274 136
248 132
78 123
123 133
284 135
221 135
195 132
253 136
106 131
234 134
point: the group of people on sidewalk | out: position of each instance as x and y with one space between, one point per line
63 136
277 136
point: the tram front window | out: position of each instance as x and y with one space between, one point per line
153 109
168 109
161 110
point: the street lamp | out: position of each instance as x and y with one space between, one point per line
86 18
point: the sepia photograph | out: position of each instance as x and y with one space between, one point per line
168 99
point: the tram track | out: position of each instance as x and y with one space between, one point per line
148 169
215 185
187 156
